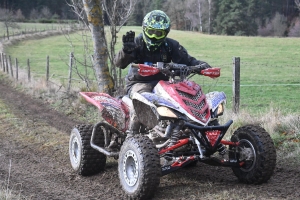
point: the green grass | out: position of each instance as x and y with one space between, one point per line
270 67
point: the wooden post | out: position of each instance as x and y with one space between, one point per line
1 61
10 67
47 70
236 85
70 71
17 69
6 63
3 65
28 69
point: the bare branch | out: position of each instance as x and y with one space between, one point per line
9 20
118 11
297 2
77 8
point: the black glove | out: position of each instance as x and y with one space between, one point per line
128 42
201 66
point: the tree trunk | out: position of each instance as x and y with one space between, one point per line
200 16
94 14
7 30
209 14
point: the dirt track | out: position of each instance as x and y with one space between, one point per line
34 142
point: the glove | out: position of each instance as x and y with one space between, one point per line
128 42
201 66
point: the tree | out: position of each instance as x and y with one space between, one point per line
9 20
196 15
19 15
34 14
297 3
175 9
118 12
209 15
46 13
235 18
140 10
200 16
94 13
295 30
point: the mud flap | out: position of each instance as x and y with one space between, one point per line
145 110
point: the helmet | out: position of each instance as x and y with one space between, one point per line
156 26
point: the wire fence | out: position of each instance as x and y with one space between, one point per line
259 86
34 29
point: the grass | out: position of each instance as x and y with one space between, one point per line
269 78
270 67
7 192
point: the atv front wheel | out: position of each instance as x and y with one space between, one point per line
84 159
139 167
256 149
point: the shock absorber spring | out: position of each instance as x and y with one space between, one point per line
221 149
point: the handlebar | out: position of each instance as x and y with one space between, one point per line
173 69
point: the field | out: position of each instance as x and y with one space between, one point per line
34 136
270 67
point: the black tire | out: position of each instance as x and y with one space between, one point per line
84 159
259 146
139 167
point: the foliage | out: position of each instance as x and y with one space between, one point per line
235 18
44 8
295 30
276 27
229 17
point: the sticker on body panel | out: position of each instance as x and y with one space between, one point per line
214 99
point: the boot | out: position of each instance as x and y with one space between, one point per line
134 125
176 133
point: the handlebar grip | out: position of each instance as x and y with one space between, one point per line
135 65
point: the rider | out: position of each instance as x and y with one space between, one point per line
151 46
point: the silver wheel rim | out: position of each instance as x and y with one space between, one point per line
130 168
250 147
75 150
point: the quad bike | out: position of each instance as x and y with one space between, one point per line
179 128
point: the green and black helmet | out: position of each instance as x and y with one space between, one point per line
156 26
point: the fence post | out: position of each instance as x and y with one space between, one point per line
1 60
236 85
6 64
70 71
17 69
47 70
10 67
28 69
3 65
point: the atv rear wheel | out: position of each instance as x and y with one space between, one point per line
257 150
139 167
84 159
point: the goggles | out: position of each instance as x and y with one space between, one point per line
155 33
